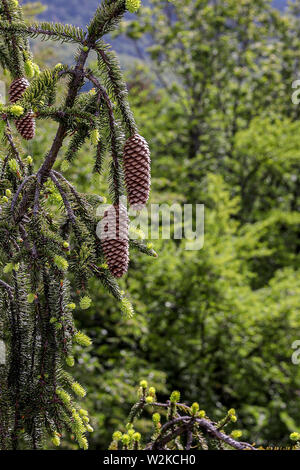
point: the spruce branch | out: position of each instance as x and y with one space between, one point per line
109 67
46 31
6 286
12 41
182 421
115 144
18 192
107 17
56 32
64 198
74 87
9 137
42 214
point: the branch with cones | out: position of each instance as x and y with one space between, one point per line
136 153
49 241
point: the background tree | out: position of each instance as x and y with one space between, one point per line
222 321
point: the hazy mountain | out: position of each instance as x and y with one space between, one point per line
76 12
79 12
280 4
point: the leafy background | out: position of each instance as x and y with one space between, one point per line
218 324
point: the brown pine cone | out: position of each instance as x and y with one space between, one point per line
17 88
115 239
137 166
26 126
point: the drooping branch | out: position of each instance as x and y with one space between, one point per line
110 64
18 192
13 146
66 202
6 286
112 124
15 50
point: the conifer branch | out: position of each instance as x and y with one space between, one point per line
189 423
116 168
8 134
109 65
15 53
6 286
74 87
42 212
53 31
18 192
64 198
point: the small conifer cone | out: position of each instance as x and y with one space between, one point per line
17 88
26 124
137 167
115 239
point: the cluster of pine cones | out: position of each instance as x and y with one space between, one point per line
115 223
25 125
115 234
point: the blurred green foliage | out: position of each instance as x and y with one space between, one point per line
218 324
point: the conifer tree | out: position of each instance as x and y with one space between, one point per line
49 248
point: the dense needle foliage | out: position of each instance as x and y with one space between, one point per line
47 228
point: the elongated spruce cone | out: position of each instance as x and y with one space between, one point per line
26 124
115 239
137 167
17 89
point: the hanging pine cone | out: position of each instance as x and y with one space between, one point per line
17 89
115 239
137 166
26 124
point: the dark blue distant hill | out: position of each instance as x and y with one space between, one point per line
280 4
79 12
